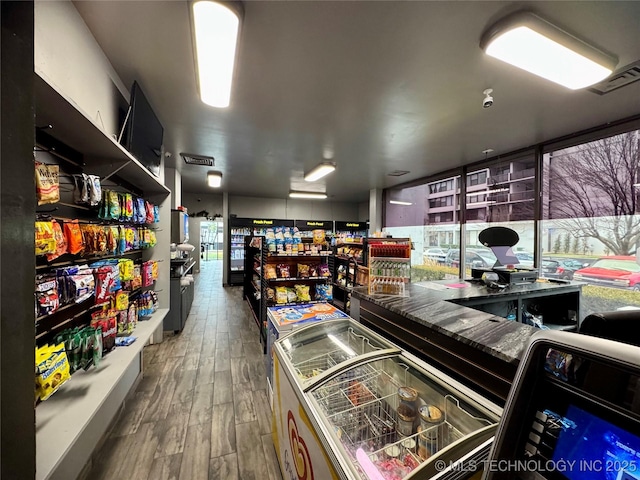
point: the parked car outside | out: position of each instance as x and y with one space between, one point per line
525 259
483 259
561 268
435 254
620 271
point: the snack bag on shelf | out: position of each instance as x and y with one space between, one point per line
113 205
318 237
284 271
80 189
82 284
270 272
156 214
323 270
128 207
324 293
47 298
61 242
302 293
281 294
147 274
154 270
121 300
149 218
291 295
136 282
52 369
125 266
75 242
45 238
132 314
95 189
47 183
303 271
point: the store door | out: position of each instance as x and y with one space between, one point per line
211 240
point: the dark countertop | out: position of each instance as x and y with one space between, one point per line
432 304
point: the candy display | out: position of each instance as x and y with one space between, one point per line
47 299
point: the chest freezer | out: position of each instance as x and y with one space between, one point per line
282 319
349 404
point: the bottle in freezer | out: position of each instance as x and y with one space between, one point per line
430 420
406 411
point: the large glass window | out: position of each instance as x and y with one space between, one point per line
591 222
429 214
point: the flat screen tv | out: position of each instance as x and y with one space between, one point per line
143 132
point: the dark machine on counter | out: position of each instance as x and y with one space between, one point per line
504 273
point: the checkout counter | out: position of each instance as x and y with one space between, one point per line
462 326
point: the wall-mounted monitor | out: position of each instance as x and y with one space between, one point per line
142 132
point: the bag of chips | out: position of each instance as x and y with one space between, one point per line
303 271
302 292
281 295
270 272
75 243
149 210
80 189
318 237
284 271
47 183
121 300
323 270
291 295
113 203
45 238
324 293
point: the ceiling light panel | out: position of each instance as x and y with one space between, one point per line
216 34
319 171
309 195
214 179
535 45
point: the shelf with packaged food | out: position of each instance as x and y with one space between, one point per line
70 424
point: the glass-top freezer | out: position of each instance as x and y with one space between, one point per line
349 404
389 416
313 350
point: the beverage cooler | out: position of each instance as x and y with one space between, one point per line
349 404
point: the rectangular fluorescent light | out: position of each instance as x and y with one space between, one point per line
319 171
307 195
535 45
214 179
398 202
480 204
216 34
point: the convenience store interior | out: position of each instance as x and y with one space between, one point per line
390 92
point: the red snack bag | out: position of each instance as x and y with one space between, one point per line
72 232
149 208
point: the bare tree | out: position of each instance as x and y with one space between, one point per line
592 192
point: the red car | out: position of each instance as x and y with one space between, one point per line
615 271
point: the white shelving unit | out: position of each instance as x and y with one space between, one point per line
71 423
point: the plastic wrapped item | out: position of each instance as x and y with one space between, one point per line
47 183
45 238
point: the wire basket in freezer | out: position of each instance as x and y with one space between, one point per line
361 406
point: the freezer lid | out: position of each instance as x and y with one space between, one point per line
284 316
397 413
311 350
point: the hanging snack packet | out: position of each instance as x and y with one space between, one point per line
136 282
61 242
47 299
103 283
324 293
45 238
270 272
324 271
303 271
156 214
125 266
95 189
114 205
128 207
318 237
52 369
80 189
291 295
147 274
132 317
97 346
72 232
47 183
122 319
122 300
83 284
154 270
284 271
113 236
149 218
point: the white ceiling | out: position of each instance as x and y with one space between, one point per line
379 86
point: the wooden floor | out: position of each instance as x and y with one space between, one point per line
201 410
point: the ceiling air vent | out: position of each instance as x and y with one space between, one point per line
398 173
192 159
618 79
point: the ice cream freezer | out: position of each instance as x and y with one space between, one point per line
348 404
282 319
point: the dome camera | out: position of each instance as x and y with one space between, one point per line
488 99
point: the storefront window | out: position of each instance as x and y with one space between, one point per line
591 219
429 215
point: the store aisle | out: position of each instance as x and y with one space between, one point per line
201 410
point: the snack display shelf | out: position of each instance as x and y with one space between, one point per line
71 423
75 260
305 254
294 304
296 279
67 307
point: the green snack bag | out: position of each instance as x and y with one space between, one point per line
97 346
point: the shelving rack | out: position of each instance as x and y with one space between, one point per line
389 265
72 422
260 260
347 260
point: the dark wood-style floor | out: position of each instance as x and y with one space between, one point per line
201 410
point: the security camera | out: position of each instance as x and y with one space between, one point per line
488 99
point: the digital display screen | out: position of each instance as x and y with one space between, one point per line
599 449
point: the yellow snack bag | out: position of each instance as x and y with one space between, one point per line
125 266
45 238
154 270
52 369
122 300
